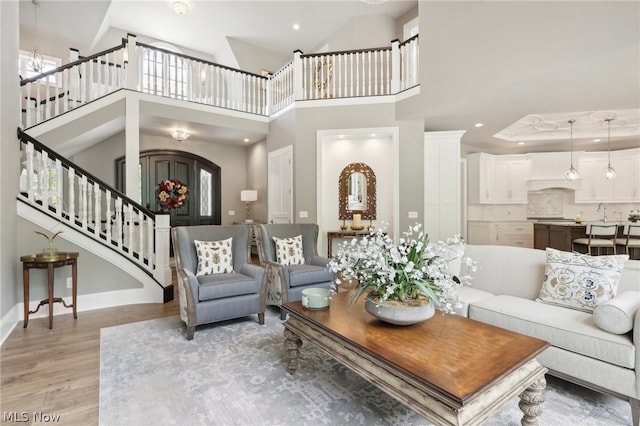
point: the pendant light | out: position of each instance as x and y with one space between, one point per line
572 173
36 61
609 173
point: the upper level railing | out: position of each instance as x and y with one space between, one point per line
148 69
53 184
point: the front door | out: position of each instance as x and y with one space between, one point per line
201 176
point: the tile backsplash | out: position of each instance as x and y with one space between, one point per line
557 200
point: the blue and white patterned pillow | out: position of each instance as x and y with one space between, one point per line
579 281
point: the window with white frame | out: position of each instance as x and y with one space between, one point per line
163 73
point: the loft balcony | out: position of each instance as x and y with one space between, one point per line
147 69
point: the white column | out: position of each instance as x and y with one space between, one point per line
442 184
162 271
297 76
395 66
132 150
132 64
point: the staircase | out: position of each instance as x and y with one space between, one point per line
57 194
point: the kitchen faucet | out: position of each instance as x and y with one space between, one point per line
604 210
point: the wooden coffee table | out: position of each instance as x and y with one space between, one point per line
450 369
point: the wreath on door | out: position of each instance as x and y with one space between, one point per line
172 194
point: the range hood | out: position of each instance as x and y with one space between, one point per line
540 184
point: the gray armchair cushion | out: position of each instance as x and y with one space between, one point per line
308 274
218 286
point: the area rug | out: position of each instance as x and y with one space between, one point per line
233 373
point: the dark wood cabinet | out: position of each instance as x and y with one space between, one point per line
557 236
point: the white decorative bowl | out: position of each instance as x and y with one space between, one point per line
316 298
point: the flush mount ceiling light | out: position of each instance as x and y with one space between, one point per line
373 1
180 7
179 134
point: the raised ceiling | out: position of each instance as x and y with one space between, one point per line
489 62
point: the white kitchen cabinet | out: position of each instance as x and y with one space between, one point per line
510 179
508 233
594 187
626 184
480 178
497 179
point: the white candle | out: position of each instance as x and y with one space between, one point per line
356 220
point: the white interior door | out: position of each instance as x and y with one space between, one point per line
280 185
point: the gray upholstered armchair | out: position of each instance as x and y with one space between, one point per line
217 294
286 282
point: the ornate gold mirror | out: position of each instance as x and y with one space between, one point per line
357 191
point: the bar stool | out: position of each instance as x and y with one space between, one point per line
630 237
598 236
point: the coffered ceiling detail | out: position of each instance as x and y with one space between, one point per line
588 124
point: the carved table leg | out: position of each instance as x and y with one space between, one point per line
531 402
292 345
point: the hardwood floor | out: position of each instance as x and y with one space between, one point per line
56 372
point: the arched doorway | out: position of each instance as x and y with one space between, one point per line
201 176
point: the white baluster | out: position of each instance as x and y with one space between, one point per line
118 222
83 202
141 235
43 181
130 233
97 216
150 245
59 191
30 170
72 195
108 223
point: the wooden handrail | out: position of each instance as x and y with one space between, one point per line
72 64
66 163
409 40
344 52
181 55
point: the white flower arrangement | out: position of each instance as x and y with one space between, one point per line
409 273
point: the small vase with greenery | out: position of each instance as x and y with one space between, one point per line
408 273
634 216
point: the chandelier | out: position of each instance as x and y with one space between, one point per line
36 61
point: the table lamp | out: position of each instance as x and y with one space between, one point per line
248 196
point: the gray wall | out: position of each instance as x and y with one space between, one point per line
95 275
302 134
257 176
9 152
100 160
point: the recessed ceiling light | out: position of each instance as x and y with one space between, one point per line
478 125
246 139
597 140
520 143
296 26
373 135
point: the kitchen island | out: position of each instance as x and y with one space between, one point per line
557 235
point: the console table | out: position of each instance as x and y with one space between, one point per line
343 234
49 262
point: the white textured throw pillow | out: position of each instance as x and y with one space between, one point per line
289 250
580 281
214 257
618 314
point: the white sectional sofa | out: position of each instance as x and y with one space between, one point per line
503 292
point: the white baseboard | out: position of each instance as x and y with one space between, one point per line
87 302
